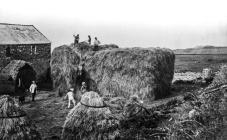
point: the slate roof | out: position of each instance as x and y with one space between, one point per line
11 34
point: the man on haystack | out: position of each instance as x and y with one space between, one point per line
96 44
70 96
89 39
76 39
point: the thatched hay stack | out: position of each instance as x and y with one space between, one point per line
114 71
14 124
89 120
82 48
64 62
220 78
19 69
123 72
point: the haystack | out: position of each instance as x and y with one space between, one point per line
84 47
19 69
90 120
64 62
14 124
123 72
116 72
220 78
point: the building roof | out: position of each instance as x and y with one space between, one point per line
11 34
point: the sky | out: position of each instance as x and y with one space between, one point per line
170 24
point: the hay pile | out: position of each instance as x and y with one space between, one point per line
123 72
84 47
14 124
89 120
116 72
221 77
108 46
64 62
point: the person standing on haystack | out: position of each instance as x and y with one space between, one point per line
33 90
70 96
76 39
96 44
89 39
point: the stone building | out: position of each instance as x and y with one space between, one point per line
25 42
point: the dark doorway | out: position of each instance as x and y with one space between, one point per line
8 52
24 78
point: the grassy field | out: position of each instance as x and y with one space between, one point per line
196 63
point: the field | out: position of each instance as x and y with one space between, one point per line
196 63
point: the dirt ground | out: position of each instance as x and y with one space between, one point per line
48 113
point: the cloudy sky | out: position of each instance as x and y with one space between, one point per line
127 23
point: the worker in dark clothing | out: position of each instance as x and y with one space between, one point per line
89 39
76 39
20 90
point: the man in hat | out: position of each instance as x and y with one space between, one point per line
70 96
76 39
33 90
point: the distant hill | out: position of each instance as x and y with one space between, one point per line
202 50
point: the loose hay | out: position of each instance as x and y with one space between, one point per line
89 120
14 124
221 77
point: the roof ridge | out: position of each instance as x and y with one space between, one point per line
15 24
